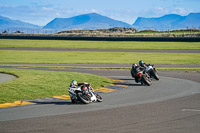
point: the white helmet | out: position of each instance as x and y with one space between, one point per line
134 65
73 83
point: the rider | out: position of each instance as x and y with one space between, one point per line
84 85
142 64
73 84
135 69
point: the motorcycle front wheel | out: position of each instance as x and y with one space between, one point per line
73 100
83 98
99 98
155 74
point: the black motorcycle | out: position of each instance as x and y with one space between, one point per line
141 76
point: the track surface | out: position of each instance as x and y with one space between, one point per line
132 109
6 77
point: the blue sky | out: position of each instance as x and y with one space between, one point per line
40 12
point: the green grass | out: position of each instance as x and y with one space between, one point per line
98 44
33 84
14 56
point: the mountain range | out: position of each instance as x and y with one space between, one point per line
96 21
169 22
6 23
85 21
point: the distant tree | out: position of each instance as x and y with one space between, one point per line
18 31
5 32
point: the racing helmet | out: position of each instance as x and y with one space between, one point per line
141 63
73 83
134 65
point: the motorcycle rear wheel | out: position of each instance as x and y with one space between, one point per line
146 80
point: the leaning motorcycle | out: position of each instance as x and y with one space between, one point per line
142 77
151 70
83 94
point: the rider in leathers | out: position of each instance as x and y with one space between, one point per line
142 64
135 69
84 85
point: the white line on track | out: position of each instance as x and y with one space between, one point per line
193 110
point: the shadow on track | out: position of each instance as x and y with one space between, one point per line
54 101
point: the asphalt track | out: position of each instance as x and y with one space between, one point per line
169 105
6 77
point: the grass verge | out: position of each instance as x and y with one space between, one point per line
32 84
15 56
98 44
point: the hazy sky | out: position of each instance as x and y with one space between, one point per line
41 12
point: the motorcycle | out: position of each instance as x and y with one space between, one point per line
141 76
151 70
84 94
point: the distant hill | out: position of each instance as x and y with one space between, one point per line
171 21
6 23
85 21
96 21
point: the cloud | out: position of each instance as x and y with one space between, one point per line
181 11
47 9
159 11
